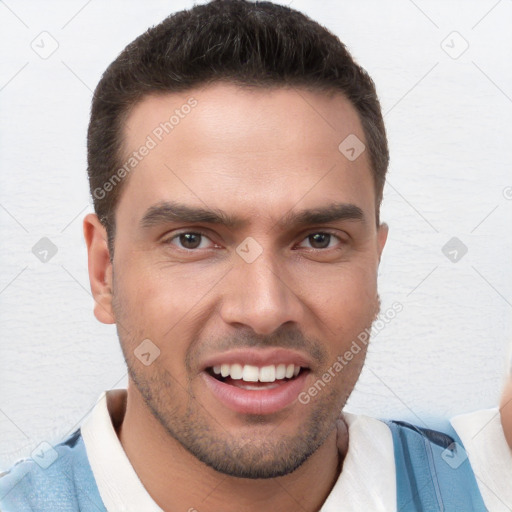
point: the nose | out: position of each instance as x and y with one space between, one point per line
260 295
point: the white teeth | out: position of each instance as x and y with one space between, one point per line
251 373
236 371
268 374
280 371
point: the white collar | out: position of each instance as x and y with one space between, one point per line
118 483
367 481
368 478
482 435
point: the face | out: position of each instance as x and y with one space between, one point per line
246 251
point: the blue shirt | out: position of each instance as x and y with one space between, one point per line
66 485
432 472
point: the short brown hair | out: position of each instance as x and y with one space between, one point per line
243 42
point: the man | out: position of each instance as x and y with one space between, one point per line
237 157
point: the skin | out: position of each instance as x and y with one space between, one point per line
257 155
506 411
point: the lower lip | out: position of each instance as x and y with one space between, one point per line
246 401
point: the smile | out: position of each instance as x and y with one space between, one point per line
255 382
251 373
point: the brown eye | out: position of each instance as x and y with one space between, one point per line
319 240
190 240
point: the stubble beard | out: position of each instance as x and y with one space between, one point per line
248 454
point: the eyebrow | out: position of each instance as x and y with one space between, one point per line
167 212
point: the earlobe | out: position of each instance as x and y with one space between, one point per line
100 268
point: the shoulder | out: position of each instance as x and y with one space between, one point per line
55 478
491 458
432 469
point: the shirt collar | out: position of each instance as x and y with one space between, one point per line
367 480
119 486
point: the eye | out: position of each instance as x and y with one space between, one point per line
320 240
190 241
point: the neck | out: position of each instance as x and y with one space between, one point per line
176 480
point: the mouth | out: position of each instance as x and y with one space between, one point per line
255 378
256 389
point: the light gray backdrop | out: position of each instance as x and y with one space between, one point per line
444 76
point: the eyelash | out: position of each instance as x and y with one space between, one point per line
202 233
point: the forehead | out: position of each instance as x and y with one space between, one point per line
220 118
260 149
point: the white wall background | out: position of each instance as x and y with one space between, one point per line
449 122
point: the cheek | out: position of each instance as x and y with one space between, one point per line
347 292
161 290
345 306
165 302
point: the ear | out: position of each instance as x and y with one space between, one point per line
382 236
100 268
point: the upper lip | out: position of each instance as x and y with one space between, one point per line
258 357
